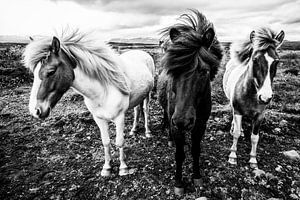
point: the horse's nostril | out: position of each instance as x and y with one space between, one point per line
38 111
173 122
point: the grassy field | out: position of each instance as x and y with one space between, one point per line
61 157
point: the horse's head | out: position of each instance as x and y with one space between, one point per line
53 76
190 74
264 61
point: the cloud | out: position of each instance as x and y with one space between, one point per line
231 18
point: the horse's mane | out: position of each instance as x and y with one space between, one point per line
93 57
187 53
262 40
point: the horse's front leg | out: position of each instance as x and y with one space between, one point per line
254 140
179 157
103 125
197 135
237 125
120 143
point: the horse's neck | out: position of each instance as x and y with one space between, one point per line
87 87
248 76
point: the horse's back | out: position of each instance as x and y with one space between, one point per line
139 68
139 57
234 70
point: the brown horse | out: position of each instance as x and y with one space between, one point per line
248 81
191 61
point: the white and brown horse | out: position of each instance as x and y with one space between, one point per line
247 83
110 84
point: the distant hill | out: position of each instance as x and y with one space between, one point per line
148 41
13 39
134 40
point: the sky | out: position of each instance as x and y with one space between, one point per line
232 19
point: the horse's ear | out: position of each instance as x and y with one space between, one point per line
174 33
279 37
55 47
208 37
252 35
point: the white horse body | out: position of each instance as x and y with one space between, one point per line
137 66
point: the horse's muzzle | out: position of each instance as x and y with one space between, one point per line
183 124
42 113
264 101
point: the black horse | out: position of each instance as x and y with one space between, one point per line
190 62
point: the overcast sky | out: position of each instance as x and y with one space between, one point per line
233 19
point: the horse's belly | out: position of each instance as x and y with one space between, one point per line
140 89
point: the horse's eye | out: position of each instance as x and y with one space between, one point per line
50 73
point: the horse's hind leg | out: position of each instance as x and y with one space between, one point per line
167 125
137 111
254 140
237 124
146 116
103 125
119 121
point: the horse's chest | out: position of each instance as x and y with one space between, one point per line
109 108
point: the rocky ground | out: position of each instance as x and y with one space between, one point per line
61 157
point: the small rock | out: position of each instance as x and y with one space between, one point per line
33 190
294 196
258 173
270 176
277 130
283 123
201 198
292 154
132 171
297 141
289 167
278 168
168 191
2 104
219 133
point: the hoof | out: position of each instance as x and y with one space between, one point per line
198 182
242 133
253 166
179 191
131 133
148 134
123 172
105 172
170 143
232 161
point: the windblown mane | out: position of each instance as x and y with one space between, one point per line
187 53
263 39
93 57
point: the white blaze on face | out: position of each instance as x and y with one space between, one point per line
35 88
265 91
